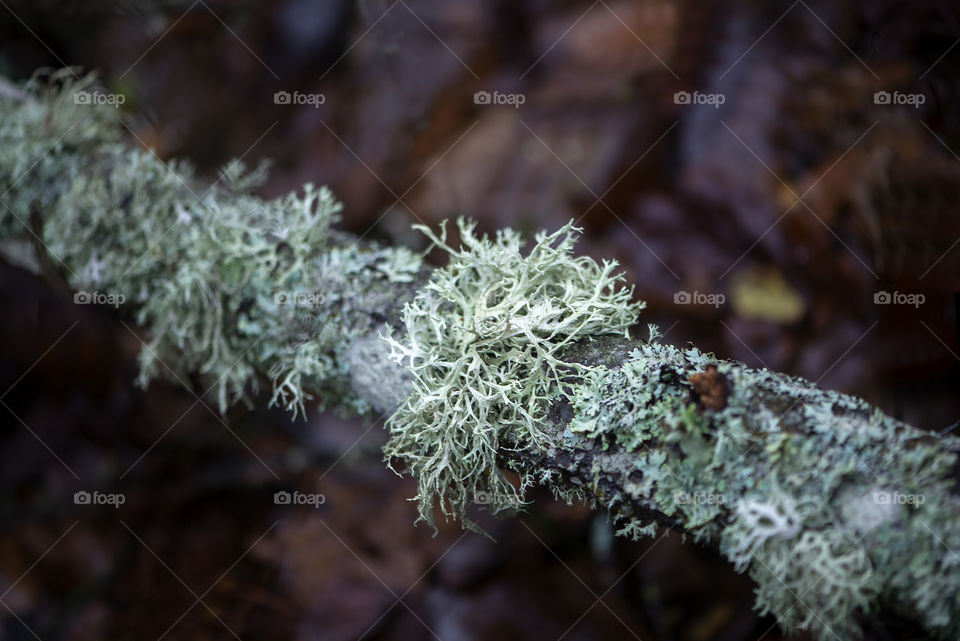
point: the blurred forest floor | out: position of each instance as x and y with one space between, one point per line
800 199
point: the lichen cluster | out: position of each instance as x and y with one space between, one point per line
482 341
832 507
229 284
796 484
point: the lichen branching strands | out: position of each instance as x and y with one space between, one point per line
227 284
481 342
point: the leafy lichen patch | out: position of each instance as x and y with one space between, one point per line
794 483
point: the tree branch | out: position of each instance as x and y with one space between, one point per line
835 509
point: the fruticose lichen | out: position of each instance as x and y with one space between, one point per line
230 285
833 508
482 342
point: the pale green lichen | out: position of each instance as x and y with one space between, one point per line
229 285
482 342
785 477
799 469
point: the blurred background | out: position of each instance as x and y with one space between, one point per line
780 181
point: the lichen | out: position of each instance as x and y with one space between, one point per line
798 486
793 483
482 343
228 285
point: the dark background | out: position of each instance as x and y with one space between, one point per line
689 198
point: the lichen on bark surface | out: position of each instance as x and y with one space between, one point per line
835 509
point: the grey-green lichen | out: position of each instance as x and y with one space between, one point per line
832 507
482 343
230 285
